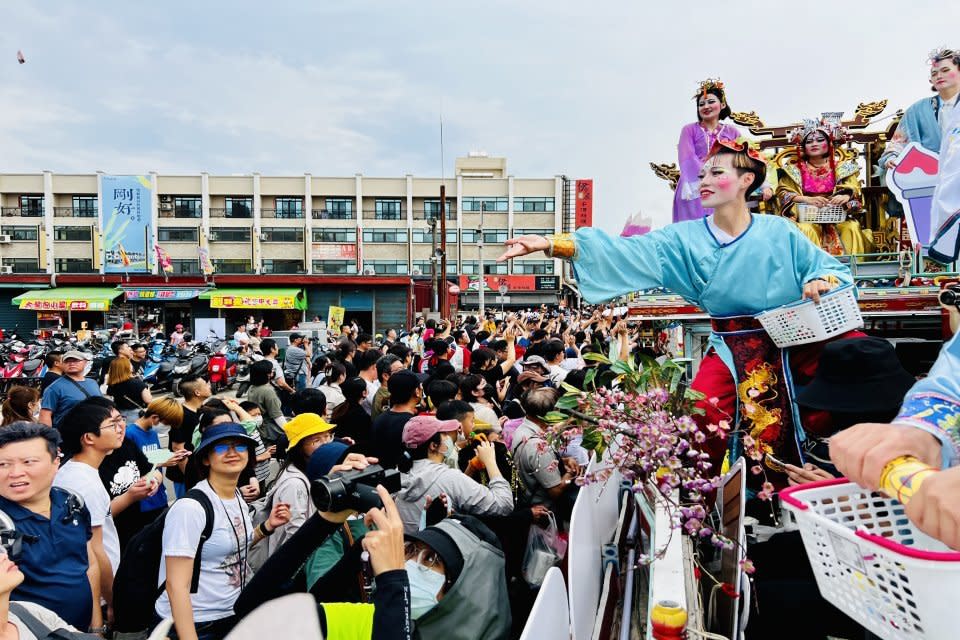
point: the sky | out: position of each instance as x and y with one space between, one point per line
587 90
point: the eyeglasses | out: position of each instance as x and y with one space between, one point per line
117 424
424 556
221 448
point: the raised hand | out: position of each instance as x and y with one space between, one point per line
522 246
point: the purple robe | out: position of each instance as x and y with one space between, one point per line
692 150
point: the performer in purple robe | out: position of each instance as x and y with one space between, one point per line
696 140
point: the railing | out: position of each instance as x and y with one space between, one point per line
24 213
71 212
231 213
422 214
280 214
324 214
384 215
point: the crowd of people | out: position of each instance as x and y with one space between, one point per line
122 510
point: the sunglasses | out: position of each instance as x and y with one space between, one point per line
222 448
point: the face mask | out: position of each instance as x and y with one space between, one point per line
448 443
425 584
258 420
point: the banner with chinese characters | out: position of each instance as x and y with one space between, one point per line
335 318
265 301
584 206
127 221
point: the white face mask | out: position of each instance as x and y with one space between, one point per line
257 420
425 584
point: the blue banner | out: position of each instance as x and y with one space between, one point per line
127 219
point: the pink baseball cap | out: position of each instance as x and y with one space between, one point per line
420 429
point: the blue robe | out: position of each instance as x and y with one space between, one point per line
933 403
919 124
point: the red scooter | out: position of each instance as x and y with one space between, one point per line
222 368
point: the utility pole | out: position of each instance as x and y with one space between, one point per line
433 262
483 280
444 297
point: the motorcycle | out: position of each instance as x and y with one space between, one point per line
243 372
222 367
159 354
188 364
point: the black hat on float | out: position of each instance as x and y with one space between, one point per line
857 375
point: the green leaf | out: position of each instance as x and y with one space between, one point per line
569 388
591 440
554 417
568 402
692 394
622 367
675 379
590 377
597 357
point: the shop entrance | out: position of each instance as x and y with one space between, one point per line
364 319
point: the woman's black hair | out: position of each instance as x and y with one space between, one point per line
335 371
260 372
407 458
320 364
743 163
208 415
721 95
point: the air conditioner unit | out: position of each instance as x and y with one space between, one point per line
5 239
263 236
6 269
166 199
417 272
166 206
369 271
212 237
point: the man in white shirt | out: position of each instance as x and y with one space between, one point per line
366 364
241 337
91 431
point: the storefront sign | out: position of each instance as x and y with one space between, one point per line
127 220
219 301
514 284
335 318
327 251
65 305
162 294
584 211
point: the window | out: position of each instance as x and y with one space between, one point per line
23 265
425 269
494 236
495 268
384 235
282 234
74 265
283 266
532 232
533 267
388 210
337 209
289 207
470 267
489 204
177 234
431 208
187 208
20 234
232 265
469 235
72 234
85 206
230 234
185 265
334 266
31 206
334 235
239 207
533 205
386 266
426 236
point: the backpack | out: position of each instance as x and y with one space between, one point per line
260 510
42 631
135 589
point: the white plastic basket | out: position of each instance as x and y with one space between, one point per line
830 214
873 564
805 321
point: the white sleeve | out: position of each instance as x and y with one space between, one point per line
294 493
183 528
469 496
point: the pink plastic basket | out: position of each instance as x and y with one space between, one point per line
873 563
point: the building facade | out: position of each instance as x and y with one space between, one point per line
352 242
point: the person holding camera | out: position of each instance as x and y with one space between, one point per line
296 361
426 441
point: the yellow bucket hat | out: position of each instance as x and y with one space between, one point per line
304 426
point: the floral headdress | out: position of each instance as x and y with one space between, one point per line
942 53
740 144
707 85
830 127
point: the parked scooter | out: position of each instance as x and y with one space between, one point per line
222 368
190 363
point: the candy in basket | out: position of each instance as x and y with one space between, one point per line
871 562
806 321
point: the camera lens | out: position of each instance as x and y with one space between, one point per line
950 297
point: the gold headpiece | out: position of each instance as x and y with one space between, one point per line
709 83
828 124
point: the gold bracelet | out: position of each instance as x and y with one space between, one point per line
562 245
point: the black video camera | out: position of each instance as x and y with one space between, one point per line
354 489
950 295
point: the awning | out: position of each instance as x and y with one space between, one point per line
68 299
161 294
256 299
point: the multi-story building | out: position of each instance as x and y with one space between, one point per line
357 242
